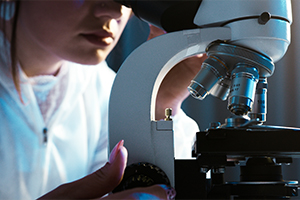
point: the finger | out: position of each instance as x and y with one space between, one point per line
154 192
173 89
96 184
154 32
112 173
115 151
108 177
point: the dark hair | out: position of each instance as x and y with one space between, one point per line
13 57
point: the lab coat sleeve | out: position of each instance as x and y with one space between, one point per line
185 129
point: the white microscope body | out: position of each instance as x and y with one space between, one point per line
262 26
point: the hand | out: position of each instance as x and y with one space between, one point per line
96 184
155 192
105 180
173 89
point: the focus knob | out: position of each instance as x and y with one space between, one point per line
142 174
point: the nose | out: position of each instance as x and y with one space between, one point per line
108 8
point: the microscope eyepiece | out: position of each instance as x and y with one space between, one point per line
167 14
126 3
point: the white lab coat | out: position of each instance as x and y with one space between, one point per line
33 162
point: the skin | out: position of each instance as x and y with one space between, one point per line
85 31
76 21
105 180
173 89
73 21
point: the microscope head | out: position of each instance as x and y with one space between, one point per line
260 36
244 17
260 25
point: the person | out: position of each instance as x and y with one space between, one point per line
54 95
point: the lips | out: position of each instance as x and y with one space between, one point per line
101 38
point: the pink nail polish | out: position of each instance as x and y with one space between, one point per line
115 151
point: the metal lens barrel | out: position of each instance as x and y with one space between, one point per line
243 87
212 71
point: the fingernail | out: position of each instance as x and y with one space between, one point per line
171 192
115 151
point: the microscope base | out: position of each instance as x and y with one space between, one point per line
264 148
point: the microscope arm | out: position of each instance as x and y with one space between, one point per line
133 96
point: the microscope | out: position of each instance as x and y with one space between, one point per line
242 39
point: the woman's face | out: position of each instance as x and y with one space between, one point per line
82 31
